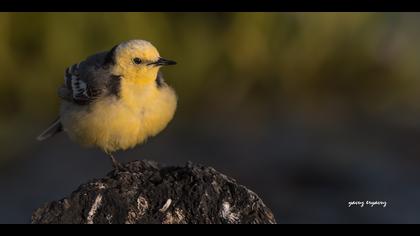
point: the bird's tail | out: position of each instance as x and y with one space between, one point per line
54 128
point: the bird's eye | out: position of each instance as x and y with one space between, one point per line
137 60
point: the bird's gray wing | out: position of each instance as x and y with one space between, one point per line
160 81
88 80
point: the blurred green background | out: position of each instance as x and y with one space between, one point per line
336 89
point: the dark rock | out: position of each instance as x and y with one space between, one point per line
148 193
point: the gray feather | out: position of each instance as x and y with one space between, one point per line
90 79
54 128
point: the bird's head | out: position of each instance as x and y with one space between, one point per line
136 60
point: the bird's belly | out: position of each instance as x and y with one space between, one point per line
113 125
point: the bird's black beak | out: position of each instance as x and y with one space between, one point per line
163 62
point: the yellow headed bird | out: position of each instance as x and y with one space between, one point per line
116 99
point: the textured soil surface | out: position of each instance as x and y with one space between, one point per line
145 192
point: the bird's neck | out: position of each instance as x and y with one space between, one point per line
133 91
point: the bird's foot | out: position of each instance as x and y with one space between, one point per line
118 167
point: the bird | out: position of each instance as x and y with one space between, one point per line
116 99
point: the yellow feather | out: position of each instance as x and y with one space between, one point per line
117 124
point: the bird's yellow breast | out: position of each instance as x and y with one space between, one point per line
113 123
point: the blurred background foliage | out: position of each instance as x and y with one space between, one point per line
243 70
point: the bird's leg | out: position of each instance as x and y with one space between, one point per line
117 165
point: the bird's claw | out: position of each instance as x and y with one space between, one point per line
118 167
